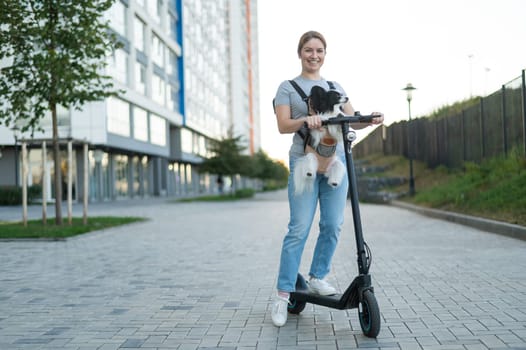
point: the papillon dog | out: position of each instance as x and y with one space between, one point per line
321 143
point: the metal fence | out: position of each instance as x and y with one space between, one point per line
494 126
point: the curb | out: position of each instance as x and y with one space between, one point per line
492 226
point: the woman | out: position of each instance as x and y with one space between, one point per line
292 114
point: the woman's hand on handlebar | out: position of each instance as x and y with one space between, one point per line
378 119
313 121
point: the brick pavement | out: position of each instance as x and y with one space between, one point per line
202 275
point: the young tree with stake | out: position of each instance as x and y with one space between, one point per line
53 52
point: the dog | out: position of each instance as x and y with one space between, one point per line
321 145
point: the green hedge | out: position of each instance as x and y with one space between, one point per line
12 195
245 193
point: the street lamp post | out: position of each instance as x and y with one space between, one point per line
409 91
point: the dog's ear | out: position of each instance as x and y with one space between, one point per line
316 89
318 92
318 99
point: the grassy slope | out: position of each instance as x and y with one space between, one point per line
495 189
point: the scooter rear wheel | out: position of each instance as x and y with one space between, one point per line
295 307
369 314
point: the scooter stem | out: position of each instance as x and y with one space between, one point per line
363 267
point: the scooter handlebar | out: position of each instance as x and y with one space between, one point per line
356 118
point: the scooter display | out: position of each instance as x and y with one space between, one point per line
360 293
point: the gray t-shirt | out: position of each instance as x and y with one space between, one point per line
287 95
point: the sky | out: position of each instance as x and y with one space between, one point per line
448 49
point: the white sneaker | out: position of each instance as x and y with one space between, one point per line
279 311
321 287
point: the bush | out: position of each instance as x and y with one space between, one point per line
12 195
33 192
245 193
273 185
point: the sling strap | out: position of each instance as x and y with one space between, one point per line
302 93
305 135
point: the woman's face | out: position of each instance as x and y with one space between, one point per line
312 55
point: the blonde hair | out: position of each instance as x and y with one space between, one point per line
308 36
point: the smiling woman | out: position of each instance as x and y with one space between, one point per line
292 113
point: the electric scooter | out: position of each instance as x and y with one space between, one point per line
360 293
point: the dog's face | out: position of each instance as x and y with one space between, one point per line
326 102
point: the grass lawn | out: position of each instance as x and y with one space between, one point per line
36 229
239 194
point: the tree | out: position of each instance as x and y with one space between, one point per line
227 158
269 170
53 53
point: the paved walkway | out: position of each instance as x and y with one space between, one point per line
202 275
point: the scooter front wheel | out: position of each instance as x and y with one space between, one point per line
369 314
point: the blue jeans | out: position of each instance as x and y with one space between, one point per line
302 210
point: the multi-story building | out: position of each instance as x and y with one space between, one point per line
189 72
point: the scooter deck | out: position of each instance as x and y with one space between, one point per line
348 300
333 301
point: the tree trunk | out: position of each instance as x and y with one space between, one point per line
51 48
58 171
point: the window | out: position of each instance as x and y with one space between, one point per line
99 175
188 177
118 66
171 67
158 89
63 117
201 144
186 141
144 164
173 98
140 78
154 9
118 113
157 130
158 51
121 175
136 176
117 17
139 28
172 29
140 124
